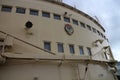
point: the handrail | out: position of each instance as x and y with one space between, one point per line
28 43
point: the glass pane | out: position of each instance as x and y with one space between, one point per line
60 47
6 8
71 47
89 27
81 50
58 17
75 22
47 46
82 24
46 14
34 12
66 19
98 32
20 10
94 30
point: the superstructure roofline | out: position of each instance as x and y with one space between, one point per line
78 11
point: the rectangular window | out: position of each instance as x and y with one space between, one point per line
6 8
71 47
34 12
46 14
67 19
47 46
56 16
75 22
89 27
94 30
82 24
20 10
89 51
104 37
81 50
60 47
98 32
101 35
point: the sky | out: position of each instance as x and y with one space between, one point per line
108 13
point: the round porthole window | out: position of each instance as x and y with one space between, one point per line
69 29
28 24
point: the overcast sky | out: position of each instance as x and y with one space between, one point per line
108 13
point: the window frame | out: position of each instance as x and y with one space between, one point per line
101 35
82 25
6 8
94 30
34 12
81 50
20 10
47 45
98 32
89 27
57 16
71 49
67 19
75 22
46 14
104 37
60 47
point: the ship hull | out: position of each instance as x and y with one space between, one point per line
53 70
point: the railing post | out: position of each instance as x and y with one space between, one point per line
4 43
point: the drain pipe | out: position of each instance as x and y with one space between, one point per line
86 69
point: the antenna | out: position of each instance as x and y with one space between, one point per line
74 6
97 18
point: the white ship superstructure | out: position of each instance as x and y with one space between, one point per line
50 40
